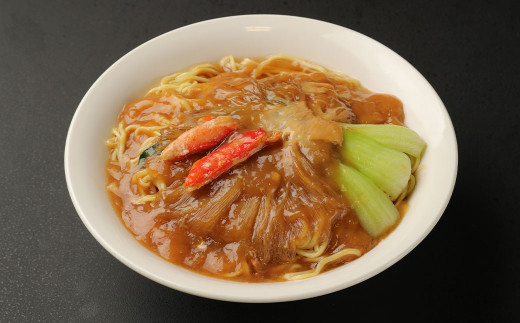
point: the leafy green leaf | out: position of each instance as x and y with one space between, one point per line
150 151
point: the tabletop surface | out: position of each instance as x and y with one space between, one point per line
53 270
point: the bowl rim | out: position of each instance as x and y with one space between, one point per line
218 294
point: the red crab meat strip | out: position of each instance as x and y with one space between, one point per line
218 162
206 135
205 119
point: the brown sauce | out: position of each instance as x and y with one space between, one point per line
283 201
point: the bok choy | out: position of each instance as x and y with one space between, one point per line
396 137
388 168
374 209
376 170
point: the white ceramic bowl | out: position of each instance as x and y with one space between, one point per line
377 67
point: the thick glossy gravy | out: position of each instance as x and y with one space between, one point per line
239 242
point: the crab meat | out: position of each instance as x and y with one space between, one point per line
208 134
228 155
204 119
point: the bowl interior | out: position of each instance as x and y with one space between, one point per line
377 67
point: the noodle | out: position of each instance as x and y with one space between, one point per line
180 82
321 263
289 221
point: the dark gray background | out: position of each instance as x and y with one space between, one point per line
52 269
